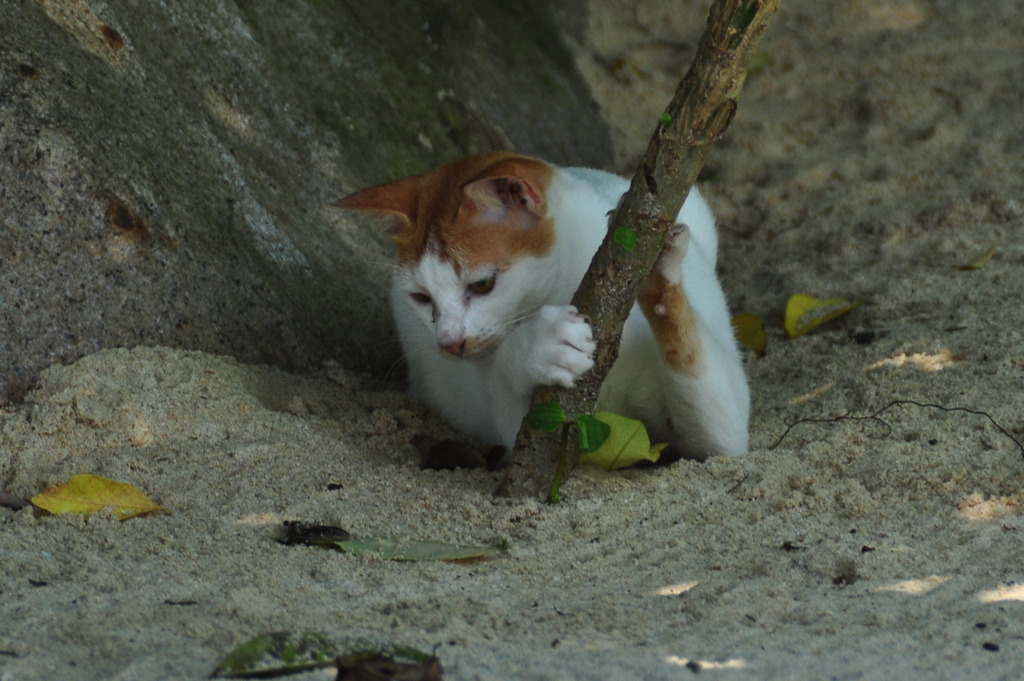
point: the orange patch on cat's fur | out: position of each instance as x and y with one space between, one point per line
671 318
436 210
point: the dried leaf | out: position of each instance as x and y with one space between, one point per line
301 532
804 313
92 493
749 330
627 443
980 261
278 653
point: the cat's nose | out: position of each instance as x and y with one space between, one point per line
457 348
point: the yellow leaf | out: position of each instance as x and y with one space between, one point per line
980 261
749 330
804 313
91 493
627 443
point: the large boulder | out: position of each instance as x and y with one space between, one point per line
166 168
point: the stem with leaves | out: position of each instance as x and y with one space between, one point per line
699 113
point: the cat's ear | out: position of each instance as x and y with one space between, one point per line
398 199
509 191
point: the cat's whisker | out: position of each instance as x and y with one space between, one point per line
527 314
389 375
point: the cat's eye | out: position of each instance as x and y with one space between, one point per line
483 286
421 298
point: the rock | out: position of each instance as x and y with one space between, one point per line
166 167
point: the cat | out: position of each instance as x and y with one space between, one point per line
490 251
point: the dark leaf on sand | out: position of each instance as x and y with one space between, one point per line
297 532
388 666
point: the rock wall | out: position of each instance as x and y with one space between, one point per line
165 167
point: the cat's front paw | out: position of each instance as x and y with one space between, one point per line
564 346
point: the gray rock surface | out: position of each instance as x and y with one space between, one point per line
165 167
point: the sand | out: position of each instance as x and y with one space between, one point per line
878 149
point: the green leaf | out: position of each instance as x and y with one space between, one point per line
593 433
627 444
625 237
665 118
546 416
276 653
805 313
416 549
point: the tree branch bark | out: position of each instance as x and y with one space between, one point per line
699 113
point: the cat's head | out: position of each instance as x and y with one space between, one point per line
472 237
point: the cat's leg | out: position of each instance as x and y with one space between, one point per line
705 397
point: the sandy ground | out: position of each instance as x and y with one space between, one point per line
879 148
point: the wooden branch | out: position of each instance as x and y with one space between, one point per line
700 111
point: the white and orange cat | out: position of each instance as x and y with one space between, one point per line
491 249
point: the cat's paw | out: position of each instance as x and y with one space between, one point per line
563 347
670 260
